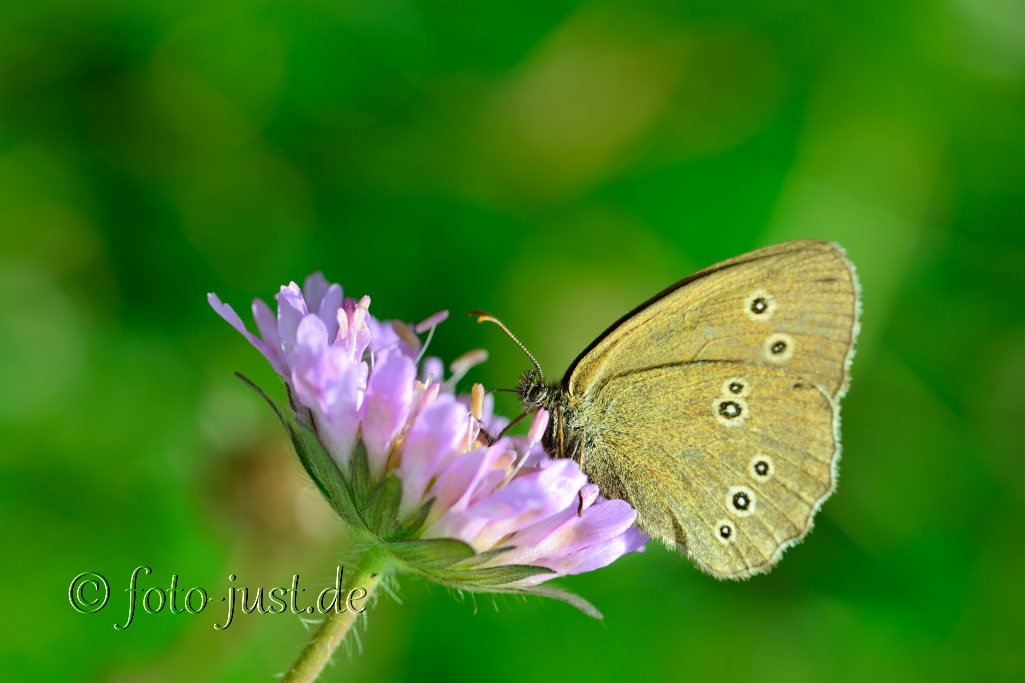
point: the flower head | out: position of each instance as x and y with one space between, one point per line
412 465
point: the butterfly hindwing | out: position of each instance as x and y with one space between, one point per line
759 463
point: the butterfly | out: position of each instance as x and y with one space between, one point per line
714 407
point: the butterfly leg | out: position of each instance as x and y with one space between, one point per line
560 446
580 494
485 437
560 451
488 439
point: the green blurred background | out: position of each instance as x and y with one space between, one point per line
554 163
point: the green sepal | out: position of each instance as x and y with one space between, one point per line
546 592
430 555
359 476
492 576
481 558
382 507
497 580
412 525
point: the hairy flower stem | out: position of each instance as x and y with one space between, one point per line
337 623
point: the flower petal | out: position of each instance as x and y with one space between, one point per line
268 326
388 402
328 310
454 488
527 499
594 556
596 525
232 318
314 287
330 384
528 542
291 310
432 440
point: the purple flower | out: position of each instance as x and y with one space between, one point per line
431 472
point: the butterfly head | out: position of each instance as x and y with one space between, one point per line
533 391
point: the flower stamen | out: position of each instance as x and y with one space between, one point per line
462 365
477 401
405 333
431 322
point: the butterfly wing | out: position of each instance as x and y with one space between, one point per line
713 407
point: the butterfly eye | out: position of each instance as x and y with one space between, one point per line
759 305
725 532
740 500
762 467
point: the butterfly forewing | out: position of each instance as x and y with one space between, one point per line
713 408
802 295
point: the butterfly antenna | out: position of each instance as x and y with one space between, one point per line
483 317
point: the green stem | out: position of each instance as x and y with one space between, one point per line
336 624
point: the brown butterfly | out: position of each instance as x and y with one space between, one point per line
713 407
